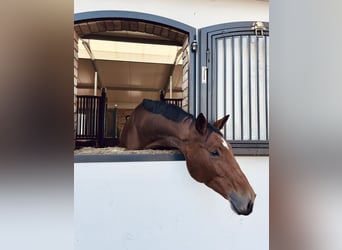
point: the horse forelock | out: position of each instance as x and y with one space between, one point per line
212 129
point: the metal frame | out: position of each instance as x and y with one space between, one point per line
176 156
131 15
208 91
200 95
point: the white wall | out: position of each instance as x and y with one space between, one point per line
196 13
157 205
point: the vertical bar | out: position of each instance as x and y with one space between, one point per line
245 89
241 89
91 102
95 113
253 89
220 78
85 117
229 87
266 85
93 116
95 83
237 89
115 122
82 116
101 113
211 74
91 107
77 116
249 83
224 104
262 87
79 122
258 78
233 87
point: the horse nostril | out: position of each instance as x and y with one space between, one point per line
250 206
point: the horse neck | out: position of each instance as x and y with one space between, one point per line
177 134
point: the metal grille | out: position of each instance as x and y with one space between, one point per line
242 89
87 117
174 101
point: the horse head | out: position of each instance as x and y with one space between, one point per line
210 160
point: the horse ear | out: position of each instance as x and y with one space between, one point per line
201 124
220 123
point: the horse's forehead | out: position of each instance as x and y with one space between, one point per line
224 143
217 138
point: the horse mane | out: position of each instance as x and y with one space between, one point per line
169 111
172 112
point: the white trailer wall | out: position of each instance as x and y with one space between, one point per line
157 205
196 13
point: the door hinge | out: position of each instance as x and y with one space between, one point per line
208 56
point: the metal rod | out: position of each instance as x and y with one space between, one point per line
241 88
171 86
233 87
249 87
95 83
257 87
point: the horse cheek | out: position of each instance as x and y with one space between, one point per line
192 166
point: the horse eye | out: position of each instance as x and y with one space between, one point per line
214 153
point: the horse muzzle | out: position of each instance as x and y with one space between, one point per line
242 205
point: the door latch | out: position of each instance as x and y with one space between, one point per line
259 28
204 74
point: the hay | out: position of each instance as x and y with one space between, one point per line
119 150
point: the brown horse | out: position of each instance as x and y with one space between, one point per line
209 158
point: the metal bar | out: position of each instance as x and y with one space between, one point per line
88 116
77 117
175 101
214 81
95 83
233 87
249 87
89 119
266 87
83 117
123 88
92 115
224 84
257 88
241 89
119 38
